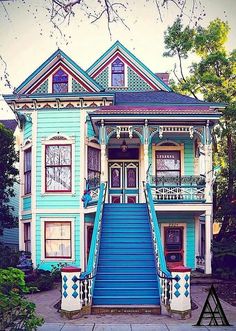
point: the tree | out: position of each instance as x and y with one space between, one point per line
8 173
214 79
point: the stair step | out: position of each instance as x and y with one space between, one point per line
136 239
125 251
125 257
126 309
126 263
126 245
126 226
117 292
126 276
126 234
131 269
126 300
126 283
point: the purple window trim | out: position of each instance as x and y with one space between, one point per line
117 73
27 171
60 82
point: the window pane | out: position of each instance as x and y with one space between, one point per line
27 158
60 248
57 230
60 77
58 178
168 173
131 177
167 161
58 155
115 177
94 159
118 79
60 88
117 75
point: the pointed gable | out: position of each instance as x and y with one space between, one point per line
57 70
133 75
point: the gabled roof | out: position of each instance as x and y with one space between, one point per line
9 124
118 48
57 58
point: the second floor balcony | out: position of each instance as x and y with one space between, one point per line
184 189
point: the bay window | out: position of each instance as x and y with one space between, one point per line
57 239
58 164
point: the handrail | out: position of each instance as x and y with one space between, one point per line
95 242
153 219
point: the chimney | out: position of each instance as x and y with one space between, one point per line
164 76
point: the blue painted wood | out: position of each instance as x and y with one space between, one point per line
161 255
126 273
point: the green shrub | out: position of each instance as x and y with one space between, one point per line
224 259
16 313
8 257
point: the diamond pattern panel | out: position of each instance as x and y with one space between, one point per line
43 88
177 294
136 83
102 78
77 87
186 293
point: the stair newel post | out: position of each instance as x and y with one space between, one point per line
71 291
181 301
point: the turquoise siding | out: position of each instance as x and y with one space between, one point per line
27 203
190 233
89 218
27 130
10 237
27 217
90 131
65 122
188 152
46 265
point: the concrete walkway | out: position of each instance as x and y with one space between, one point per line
129 322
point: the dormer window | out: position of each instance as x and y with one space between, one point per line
60 82
117 73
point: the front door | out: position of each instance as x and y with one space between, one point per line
174 252
123 182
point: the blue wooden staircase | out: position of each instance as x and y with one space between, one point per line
126 271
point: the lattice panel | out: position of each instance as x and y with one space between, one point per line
102 78
43 88
77 87
136 83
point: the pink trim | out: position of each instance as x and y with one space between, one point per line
117 54
67 70
70 269
180 269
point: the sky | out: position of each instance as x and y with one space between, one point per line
27 40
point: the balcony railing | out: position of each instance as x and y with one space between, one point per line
178 189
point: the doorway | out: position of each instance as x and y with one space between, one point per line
123 181
174 245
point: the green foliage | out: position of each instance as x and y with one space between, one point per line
16 313
224 258
8 174
213 77
43 281
8 257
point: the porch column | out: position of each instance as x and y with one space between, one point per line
145 160
197 238
103 163
208 239
103 140
209 173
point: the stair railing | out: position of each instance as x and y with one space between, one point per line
87 278
163 273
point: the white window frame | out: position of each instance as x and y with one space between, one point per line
67 141
173 148
27 145
57 219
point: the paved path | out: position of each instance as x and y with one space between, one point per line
128 322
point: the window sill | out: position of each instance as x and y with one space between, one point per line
28 195
58 194
49 259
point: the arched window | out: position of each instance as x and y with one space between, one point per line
117 73
60 82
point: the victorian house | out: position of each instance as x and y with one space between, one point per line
116 168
